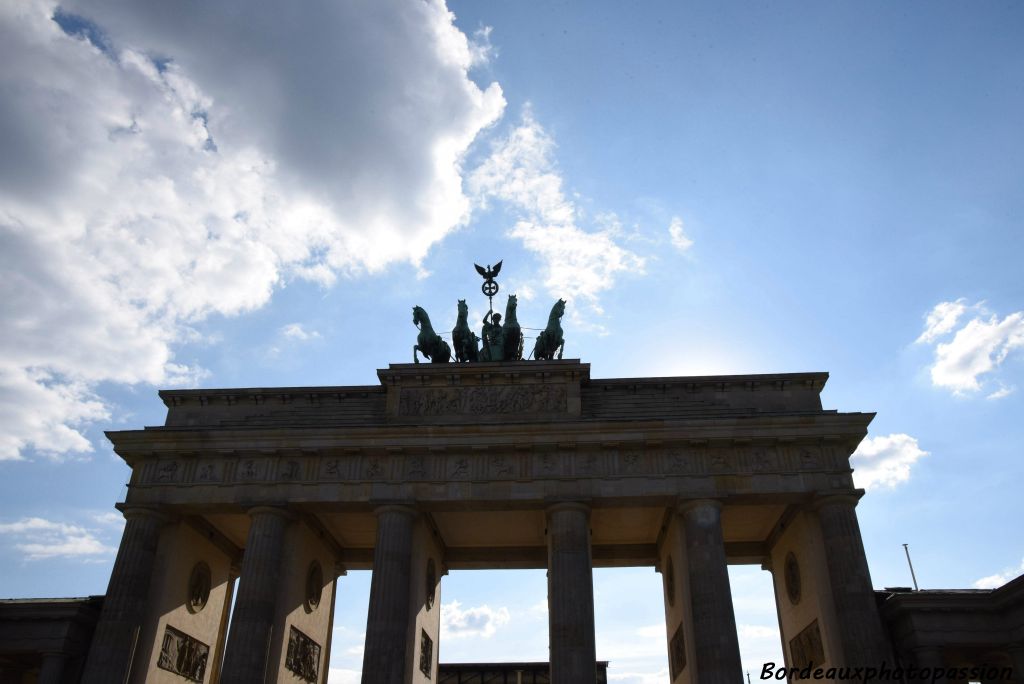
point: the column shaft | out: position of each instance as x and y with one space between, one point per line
931 658
52 671
714 623
1017 660
124 608
248 643
570 596
387 622
860 626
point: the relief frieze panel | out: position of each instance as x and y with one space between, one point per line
168 472
485 464
483 400
683 461
251 470
289 469
632 462
463 466
209 472
549 464
589 463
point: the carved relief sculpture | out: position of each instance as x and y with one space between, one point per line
677 653
426 654
183 655
303 656
806 647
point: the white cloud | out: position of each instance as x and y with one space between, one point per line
578 264
999 579
39 539
109 518
479 621
977 348
757 632
885 461
1001 392
340 675
138 196
942 319
296 331
678 237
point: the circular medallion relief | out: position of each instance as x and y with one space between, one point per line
314 586
431 583
670 581
198 587
791 573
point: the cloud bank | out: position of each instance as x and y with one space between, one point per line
967 363
478 621
41 539
576 263
1000 578
885 461
163 163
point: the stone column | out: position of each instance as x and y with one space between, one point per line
931 658
767 565
573 654
1017 660
858 622
248 644
387 622
52 671
9 675
124 608
714 624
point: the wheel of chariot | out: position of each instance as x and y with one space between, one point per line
489 288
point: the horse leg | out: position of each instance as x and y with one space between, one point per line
561 347
415 348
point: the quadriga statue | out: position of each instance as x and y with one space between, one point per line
428 342
550 339
465 341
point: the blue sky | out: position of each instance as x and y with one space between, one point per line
217 196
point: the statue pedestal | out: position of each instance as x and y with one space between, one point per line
484 392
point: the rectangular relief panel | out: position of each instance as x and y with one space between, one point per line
677 653
183 655
303 658
426 653
806 648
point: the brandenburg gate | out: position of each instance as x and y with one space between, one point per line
267 496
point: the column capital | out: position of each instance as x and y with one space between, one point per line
558 506
131 511
840 498
403 508
687 505
270 509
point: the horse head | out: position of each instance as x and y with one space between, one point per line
558 310
419 315
510 308
463 309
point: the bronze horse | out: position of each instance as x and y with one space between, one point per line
550 339
428 342
464 340
511 332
